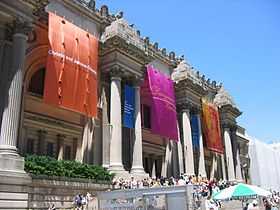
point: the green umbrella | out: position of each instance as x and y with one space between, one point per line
241 191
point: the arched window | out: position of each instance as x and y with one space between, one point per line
36 84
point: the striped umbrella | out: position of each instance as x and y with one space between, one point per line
241 191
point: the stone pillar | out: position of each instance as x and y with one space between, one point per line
175 161
154 175
163 166
214 166
188 148
137 161
97 144
106 132
41 139
238 168
60 146
180 156
229 156
201 167
116 164
10 161
223 167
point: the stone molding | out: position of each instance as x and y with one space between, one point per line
223 98
184 71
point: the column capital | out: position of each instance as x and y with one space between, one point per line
19 26
137 81
228 125
116 72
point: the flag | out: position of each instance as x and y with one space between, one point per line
157 91
129 107
211 127
71 74
195 131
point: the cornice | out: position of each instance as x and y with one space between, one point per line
117 43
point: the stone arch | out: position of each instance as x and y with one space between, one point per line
35 60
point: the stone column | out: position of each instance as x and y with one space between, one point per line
41 139
137 161
180 156
153 168
238 168
174 157
106 132
116 164
60 146
188 148
214 166
228 153
223 167
9 158
201 164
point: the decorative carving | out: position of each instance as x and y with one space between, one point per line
116 72
121 28
91 4
223 98
104 10
19 25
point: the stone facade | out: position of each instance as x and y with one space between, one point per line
28 125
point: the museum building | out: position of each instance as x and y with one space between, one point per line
113 98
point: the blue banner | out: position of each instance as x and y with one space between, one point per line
129 106
195 132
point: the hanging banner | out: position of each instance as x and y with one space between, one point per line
129 107
157 91
195 132
71 76
211 127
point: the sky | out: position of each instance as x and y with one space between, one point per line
236 42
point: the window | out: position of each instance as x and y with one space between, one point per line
146 116
67 152
30 146
50 151
36 84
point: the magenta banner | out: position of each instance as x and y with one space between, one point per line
157 91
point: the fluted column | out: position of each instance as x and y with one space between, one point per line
106 132
116 164
11 163
180 154
11 114
238 167
137 162
223 167
188 148
60 146
201 166
229 155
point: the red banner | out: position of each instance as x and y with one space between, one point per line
71 77
211 127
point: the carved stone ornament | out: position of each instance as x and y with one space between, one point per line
183 71
21 26
121 28
223 98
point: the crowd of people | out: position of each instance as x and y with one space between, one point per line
132 183
203 190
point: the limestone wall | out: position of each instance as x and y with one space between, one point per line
42 191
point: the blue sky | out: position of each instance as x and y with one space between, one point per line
236 42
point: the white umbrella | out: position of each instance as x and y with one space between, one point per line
241 191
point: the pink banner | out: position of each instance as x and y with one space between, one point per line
157 91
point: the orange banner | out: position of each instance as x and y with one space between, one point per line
211 127
71 77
